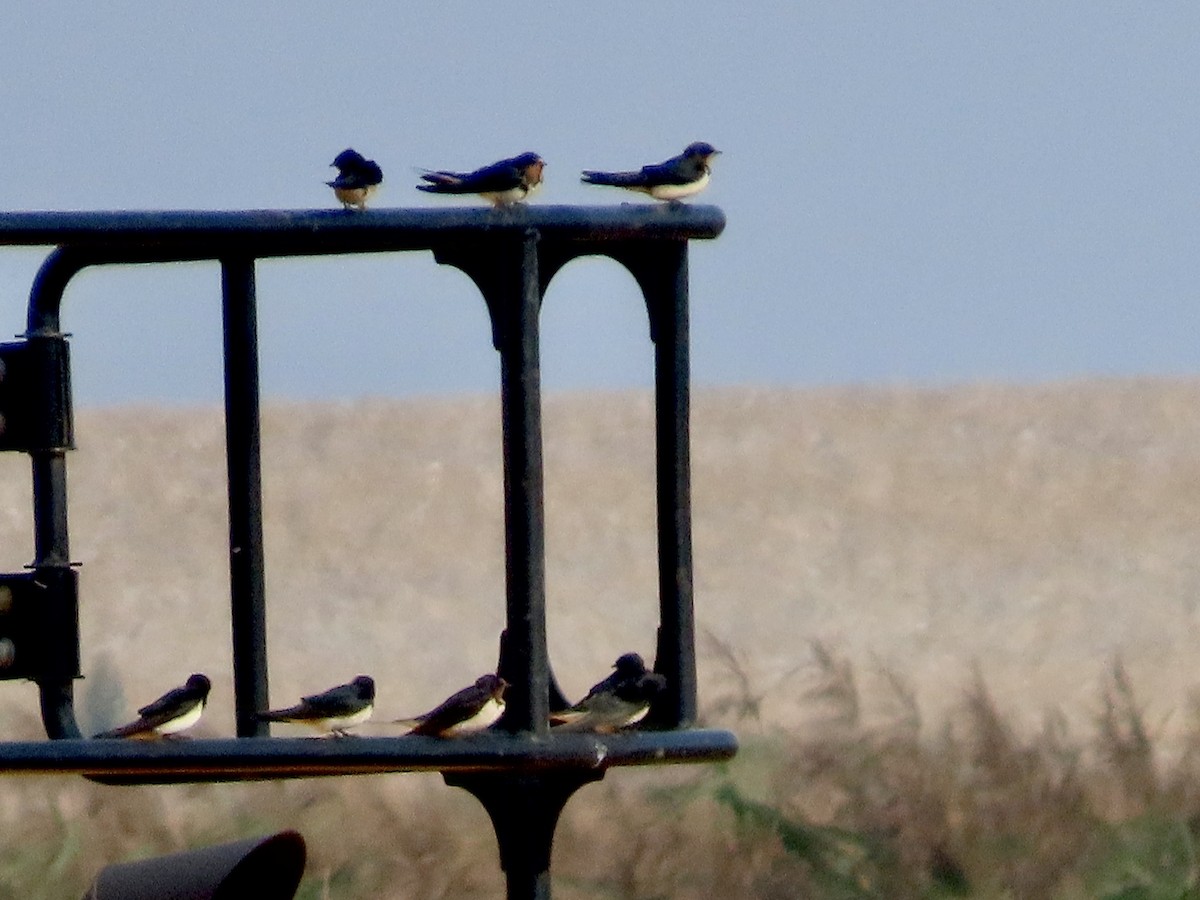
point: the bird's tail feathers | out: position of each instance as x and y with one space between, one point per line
613 179
440 178
131 730
280 715
577 722
567 716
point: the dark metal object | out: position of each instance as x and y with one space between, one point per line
242 450
506 273
43 621
39 621
196 760
210 235
522 774
35 405
524 809
265 868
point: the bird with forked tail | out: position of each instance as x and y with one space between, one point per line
470 710
680 176
504 183
333 711
170 714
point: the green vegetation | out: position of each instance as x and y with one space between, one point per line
846 809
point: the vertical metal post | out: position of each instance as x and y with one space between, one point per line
676 658
524 809
51 544
52 552
526 657
242 442
506 272
662 273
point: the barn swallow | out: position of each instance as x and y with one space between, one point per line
472 709
680 176
333 711
503 183
174 711
357 179
620 700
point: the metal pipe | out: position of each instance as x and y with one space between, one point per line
186 234
57 702
243 457
225 759
526 658
676 637
51 541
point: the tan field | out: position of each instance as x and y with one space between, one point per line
1037 532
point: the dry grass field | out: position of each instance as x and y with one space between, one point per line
930 542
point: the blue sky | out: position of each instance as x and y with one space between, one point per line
917 193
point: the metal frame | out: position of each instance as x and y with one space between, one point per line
521 773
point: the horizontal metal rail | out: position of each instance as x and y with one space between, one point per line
267 758
304 232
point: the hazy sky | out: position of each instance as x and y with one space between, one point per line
916 192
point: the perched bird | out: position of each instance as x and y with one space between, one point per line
357 178
332 712
680 176
171 713
503 183
472 709
620 700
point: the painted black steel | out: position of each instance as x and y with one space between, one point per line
666 284
51 566
247 567
506 272
524 808
183 759
523 774
190 235
39 623
35 408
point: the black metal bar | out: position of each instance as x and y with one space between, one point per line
505 269
242 442
660 269
676 656
56 700
51 541
262 233
49 284
238 760
521 413
524 809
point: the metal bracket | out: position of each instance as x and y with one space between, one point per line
35 395
39 625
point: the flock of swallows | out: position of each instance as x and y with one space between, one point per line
620 700
512 180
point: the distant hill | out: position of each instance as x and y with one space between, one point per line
1036 531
